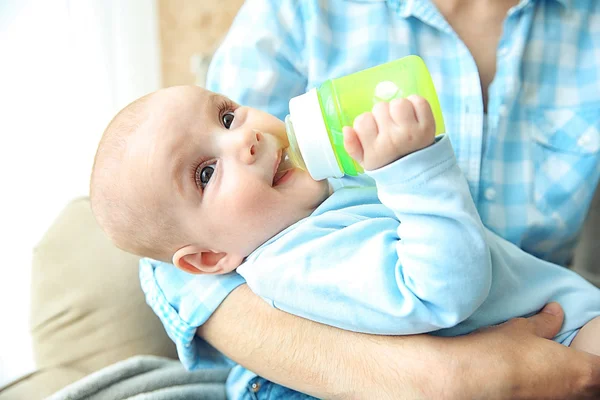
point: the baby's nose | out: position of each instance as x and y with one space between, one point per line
250 146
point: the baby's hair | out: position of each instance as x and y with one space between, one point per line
126 209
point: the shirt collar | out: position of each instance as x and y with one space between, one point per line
405 6
566 3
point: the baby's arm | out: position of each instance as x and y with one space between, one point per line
444 261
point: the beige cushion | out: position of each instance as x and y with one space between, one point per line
40 384
88 310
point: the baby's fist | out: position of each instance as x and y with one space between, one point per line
391 131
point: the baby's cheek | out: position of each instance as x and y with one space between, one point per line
244 202
249 221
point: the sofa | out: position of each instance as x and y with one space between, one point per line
87 308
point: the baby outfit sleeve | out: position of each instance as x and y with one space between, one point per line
183 302
418 263
445 259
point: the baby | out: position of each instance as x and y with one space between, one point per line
187 176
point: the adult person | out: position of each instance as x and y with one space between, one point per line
520 96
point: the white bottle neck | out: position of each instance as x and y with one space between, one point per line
310 132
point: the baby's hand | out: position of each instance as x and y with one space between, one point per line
391 131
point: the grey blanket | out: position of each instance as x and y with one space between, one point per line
147 378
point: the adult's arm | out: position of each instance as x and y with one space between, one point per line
513 360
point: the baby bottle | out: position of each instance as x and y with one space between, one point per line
314 124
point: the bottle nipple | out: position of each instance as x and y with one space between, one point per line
292 152
286 161
291 159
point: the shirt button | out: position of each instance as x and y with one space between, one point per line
503 110
490 194
589 142
255 387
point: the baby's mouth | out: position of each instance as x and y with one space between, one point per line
285 166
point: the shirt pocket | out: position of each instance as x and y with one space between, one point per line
566 157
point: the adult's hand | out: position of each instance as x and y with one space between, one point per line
514 360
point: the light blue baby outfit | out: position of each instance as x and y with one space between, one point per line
410 255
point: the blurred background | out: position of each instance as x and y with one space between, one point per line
66 67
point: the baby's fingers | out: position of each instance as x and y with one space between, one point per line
402 112
352 144
423 112
366 128
381 112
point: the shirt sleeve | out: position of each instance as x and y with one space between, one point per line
260 62
183 302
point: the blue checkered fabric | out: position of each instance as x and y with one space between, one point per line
183 302
532 158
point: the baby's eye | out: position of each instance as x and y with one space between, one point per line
227 119
203 174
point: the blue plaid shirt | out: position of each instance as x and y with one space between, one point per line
532 161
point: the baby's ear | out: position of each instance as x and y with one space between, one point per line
194 260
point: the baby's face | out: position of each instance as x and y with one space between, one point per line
216 166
